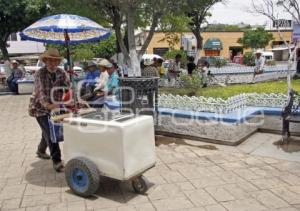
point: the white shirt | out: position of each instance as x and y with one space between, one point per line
102 80
259 64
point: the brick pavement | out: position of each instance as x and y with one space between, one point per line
185 177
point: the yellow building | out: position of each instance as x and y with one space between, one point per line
228 42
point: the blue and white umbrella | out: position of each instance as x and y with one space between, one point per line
53 30
65 29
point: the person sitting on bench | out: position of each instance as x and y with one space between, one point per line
16 74
109 89
259 63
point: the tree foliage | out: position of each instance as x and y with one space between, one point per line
258 38
102 49
198 11
15 15
226 27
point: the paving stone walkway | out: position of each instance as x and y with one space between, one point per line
186 177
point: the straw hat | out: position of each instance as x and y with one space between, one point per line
51 53
105 63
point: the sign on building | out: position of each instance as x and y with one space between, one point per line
282 24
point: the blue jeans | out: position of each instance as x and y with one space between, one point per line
12 85
46 140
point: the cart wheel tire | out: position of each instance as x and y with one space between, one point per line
82 176
140 185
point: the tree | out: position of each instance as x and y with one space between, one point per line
198 11
125 14
258 38
15 15
102 49
269 9
226 27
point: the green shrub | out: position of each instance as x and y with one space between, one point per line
172 53
249 59
193 82
218 62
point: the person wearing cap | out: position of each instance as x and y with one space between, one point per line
89 82
92 74
110 88
16 74
259 63
49 85
150 70
101 83
112 84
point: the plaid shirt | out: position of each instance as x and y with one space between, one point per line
150 71
48 88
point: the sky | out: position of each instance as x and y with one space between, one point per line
235 11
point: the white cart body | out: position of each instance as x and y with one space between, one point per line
121 147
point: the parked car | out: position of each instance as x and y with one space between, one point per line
39 64
268 55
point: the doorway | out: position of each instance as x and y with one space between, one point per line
235 51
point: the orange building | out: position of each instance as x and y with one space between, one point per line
222 44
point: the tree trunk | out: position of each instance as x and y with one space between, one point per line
4 50
134 69
117 21
154 24
199 39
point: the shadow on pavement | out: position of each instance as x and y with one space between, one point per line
42 173
292 146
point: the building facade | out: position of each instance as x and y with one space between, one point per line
222 44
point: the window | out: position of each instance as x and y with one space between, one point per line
160 51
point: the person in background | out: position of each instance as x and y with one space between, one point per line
160 67
298 63
116 66
259 63
92 74
174 69
16 74
89 82
149 70
50 82
101 82
204 72
112 85
191 65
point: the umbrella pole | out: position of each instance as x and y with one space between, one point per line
67 40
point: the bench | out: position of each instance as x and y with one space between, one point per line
290 114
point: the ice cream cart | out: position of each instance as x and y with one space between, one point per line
118 146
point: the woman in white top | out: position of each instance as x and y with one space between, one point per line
101 82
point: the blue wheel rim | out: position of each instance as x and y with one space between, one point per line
79 179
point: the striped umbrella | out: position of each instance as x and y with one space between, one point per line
65 29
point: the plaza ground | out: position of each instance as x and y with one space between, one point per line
189 175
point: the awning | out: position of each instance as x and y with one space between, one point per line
213 44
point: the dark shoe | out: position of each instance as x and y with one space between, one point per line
58 167
43 155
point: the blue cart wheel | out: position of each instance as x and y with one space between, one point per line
82 176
